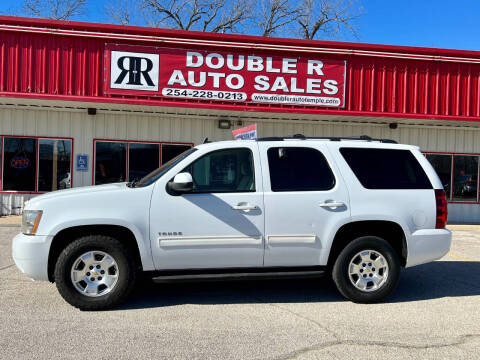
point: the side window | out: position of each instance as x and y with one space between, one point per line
386 168
299 169
223 171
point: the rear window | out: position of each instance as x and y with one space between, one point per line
386 168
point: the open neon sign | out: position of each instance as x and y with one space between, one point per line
19 162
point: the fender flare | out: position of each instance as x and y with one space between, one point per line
142 243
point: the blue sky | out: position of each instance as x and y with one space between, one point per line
440 23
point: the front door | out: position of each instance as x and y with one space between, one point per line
305 199
220 224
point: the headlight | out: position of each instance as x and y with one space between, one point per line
30 221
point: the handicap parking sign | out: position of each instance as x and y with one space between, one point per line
82 162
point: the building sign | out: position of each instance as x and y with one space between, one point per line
134 71
82 162
246 133
231 76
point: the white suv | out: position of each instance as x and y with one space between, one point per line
358 208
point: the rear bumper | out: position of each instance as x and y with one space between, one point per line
428 245
30 253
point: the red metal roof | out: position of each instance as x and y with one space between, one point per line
63 60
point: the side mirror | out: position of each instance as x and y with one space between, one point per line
181 184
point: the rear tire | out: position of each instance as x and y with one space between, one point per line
111 278
367 270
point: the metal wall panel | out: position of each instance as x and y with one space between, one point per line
413 87
71 68
463 213
156 127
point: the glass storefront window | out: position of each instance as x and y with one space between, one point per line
32 164
465 178
54 164
142 160
19 164
169 151
110 162
443 166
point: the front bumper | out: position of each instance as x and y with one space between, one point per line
30 253
428 245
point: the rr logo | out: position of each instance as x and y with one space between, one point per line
134 71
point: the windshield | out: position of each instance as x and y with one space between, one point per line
158 173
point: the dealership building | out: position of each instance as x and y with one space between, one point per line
87 104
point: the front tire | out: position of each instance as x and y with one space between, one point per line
95 272
367 270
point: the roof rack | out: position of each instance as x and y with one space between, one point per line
331 138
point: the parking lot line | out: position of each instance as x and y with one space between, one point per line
456 257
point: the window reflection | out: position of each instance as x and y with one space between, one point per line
443 166
110 162
143 159
54 164
465 178
169 151
224 171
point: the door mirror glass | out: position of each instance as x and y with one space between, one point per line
182 183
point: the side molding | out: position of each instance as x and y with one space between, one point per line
291 239
188 241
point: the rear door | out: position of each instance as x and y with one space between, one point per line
305 198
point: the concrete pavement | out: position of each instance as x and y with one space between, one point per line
433 314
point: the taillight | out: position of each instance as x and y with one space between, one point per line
442 209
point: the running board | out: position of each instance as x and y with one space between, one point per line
236 275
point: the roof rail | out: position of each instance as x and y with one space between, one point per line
331 138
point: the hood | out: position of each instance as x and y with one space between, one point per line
74 192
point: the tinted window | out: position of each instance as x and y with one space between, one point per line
386 169
299 169
110 162
142 160
19 164
465 178
54 164
223 171
169 151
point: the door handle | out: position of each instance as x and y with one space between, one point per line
331 204
244 207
